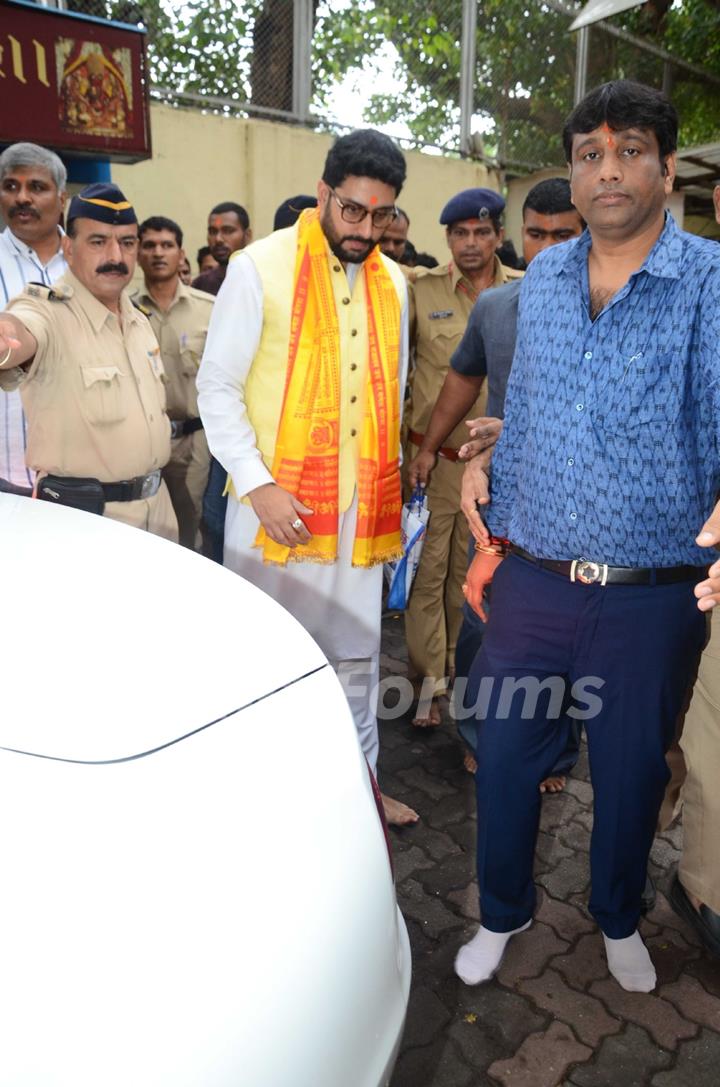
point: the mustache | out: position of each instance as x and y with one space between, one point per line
110 266
355 238
24 208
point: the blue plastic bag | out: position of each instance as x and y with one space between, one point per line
400 574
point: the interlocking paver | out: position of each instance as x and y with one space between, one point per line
698 1062
427 1015
586 962
466 899
438 1063
427 910
623 1060
432 786
693 1002
542 1059
584 1014
409 861
567 921
528 953
573 875
659 1018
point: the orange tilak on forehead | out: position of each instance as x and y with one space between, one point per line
373 199
217 221
609 135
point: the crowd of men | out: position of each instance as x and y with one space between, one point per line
562 421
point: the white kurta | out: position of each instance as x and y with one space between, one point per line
19 264
340 605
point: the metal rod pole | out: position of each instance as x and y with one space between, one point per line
302 50
467 72
581 59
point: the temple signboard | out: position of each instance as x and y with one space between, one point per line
73 83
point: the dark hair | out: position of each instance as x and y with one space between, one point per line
159 222
403 215
227 207
550 197
624 104
203 251
365 153
425 260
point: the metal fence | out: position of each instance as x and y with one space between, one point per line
493 79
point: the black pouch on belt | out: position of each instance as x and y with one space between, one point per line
81 494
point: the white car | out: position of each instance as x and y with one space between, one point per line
196 884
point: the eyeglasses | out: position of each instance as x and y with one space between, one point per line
356 213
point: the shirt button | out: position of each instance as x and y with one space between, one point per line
346 301
570 462
336 267
353 399
353 332
353 366
588 355
579 407
573 517
353 433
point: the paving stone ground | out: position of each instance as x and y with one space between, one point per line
552 1017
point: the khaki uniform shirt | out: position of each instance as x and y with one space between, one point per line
93 394
441 301
181 332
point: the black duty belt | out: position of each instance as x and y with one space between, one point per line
180 427
130 490
599 573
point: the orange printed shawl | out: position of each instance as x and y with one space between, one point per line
306 460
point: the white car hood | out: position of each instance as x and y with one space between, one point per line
117 642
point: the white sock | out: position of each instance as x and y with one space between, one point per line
630 964
478 960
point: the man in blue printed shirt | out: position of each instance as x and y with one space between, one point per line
607 469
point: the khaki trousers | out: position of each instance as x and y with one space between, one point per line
434 614
186 476
154 514
700 743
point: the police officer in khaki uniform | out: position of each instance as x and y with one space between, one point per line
179 316
90 374
441 301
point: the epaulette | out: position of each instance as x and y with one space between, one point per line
512 273
146 312
61 292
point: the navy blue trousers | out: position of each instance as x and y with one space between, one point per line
622 658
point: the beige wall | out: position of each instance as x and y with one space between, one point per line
199 160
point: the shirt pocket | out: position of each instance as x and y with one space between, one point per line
445 335
191 350
647 397
104 399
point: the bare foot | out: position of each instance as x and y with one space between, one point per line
470 762
398 814
553 784
428 716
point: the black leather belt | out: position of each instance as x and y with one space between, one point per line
180 427
599 573
129 490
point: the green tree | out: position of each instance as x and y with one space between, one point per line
242 50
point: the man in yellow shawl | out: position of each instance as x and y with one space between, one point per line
300 390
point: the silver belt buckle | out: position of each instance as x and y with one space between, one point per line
588 572
150 485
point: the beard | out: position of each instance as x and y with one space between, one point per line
337 242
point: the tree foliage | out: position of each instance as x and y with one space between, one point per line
241 50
